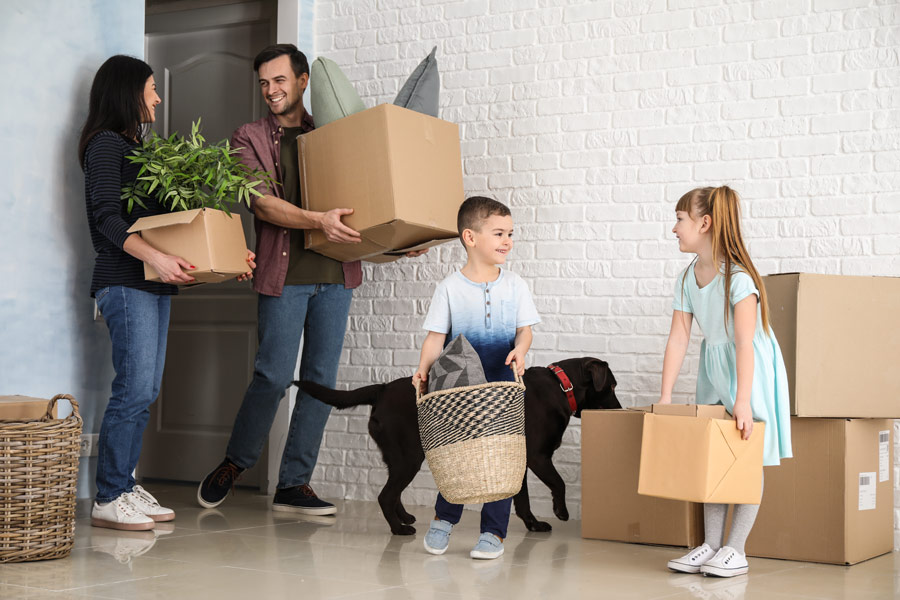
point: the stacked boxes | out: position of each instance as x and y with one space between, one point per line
833 501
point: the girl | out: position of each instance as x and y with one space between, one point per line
740 361
122 100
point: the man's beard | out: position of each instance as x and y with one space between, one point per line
288 107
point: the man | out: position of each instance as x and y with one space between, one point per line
299 292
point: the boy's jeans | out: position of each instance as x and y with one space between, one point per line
138 323
320 311
494 515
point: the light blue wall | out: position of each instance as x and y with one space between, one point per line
49 342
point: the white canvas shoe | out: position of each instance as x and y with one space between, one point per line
727 562
693 560
147 504
120 514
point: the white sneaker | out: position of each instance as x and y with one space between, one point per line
727 562
147 504
123 545
693 560
120 514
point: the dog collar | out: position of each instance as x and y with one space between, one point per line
565 384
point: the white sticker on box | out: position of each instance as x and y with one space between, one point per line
867 491
884 456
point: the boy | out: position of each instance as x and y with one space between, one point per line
494 310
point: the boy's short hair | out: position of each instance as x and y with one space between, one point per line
475 210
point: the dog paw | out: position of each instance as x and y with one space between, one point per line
539 526
404 530
407 519
561 512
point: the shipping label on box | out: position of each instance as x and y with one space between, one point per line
700 459
210 240
399 170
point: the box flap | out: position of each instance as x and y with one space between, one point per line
708 411
176 218
739 461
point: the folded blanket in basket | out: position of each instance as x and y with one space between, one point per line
458 365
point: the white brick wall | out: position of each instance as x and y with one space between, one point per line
590 119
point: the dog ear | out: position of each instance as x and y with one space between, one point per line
599 371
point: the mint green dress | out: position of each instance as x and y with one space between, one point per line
717 377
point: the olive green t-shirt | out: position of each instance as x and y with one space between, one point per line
304 266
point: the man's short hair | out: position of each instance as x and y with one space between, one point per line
473 212
299 63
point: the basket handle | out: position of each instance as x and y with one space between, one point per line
512 366
52 404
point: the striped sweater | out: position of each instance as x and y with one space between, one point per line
106 170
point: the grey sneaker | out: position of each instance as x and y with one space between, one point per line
488 546
438 537
693 560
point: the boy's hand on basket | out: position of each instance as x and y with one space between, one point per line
420 381
517 356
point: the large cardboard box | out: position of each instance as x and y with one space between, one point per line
210 240
833 501
701 457
399 170
611 508
25 408
839 338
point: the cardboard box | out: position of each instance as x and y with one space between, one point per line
699 457
611 508
399 170
832 502
25 408
209 239
838 337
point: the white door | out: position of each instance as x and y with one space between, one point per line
202 59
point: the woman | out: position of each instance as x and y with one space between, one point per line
123 100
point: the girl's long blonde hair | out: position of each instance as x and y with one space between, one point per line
724 209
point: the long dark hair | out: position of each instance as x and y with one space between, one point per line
117 100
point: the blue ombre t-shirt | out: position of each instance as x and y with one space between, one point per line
486 313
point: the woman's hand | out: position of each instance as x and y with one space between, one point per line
251 258
743 418
172 269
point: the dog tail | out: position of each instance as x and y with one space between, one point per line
341 398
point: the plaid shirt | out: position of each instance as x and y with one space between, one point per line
258 145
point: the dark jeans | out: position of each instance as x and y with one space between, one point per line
320 312
494 515
138 324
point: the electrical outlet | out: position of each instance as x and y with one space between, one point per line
88 444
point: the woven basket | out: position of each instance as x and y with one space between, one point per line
474 440
38 473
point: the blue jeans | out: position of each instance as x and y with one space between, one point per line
138 324
494 515
320 311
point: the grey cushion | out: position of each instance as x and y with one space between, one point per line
458 365
332 96
421 91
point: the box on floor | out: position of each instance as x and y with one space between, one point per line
399 170
611 508
838 337
833 502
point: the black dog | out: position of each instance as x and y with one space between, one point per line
393 424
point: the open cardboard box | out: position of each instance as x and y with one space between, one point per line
209 239
694 452
399 170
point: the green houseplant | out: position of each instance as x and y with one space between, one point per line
187 173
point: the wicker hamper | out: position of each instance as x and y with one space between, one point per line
474 440
38 473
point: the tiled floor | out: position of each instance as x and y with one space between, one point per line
243 550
